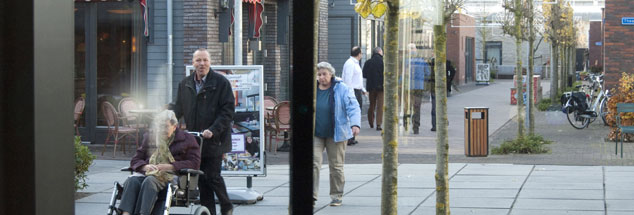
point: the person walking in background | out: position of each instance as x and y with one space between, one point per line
206 102
451 73
432 86
337 119
352 75
373 73
419 71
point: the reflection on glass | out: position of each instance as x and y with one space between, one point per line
80 55
116 47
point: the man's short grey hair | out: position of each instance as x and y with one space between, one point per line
201 50
377 50
164 116
326 66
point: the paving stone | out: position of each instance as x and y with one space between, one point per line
482 193
620 205
563 185
565 179
495 169
260 209
619 194
555 212
619 168
484 184
568 168
458 202
560 194
467 211
559 204
351 209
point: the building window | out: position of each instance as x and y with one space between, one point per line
114 30
493 52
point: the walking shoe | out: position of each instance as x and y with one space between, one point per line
416 131
371 126
433 129
336 202
352 142
378 128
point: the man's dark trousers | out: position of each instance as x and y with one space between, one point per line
358 93
212 183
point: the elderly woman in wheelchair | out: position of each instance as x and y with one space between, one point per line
164 153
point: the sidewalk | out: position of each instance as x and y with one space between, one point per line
474 189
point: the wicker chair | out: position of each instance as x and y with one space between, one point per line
269 124
115 130
282 122
130 119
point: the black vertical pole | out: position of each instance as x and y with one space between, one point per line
302 87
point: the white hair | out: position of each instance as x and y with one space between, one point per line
326 66
165 115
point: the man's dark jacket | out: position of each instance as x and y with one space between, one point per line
184 148
212 109
373 72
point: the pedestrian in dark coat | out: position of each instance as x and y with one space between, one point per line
373 73
206 101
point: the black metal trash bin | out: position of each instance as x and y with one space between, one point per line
476 131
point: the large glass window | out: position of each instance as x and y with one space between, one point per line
116 32
80 55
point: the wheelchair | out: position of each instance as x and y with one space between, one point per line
181 193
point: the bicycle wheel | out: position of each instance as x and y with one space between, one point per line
577 119
603 110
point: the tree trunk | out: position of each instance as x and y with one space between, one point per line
518 69
531 61
442 143
554 89
562 70
389 188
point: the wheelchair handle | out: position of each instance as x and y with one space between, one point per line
195 133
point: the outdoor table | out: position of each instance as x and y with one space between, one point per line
145 115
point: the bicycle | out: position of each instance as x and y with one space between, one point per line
581 108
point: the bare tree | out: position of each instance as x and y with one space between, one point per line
513 25
389 183
442 143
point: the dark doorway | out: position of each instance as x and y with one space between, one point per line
469 58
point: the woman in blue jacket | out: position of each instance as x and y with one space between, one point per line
337 119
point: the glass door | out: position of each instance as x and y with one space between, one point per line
108 57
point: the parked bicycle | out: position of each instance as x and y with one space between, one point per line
582 107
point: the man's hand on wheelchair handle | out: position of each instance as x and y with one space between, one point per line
207 134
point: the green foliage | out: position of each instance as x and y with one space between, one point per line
543 104
83 160
530 144
596 70
493 74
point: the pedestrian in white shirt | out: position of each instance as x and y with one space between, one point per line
352 76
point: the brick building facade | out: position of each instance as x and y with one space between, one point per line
272 49
458 40
595 43
619 46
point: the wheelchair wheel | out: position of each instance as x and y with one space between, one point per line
202 210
